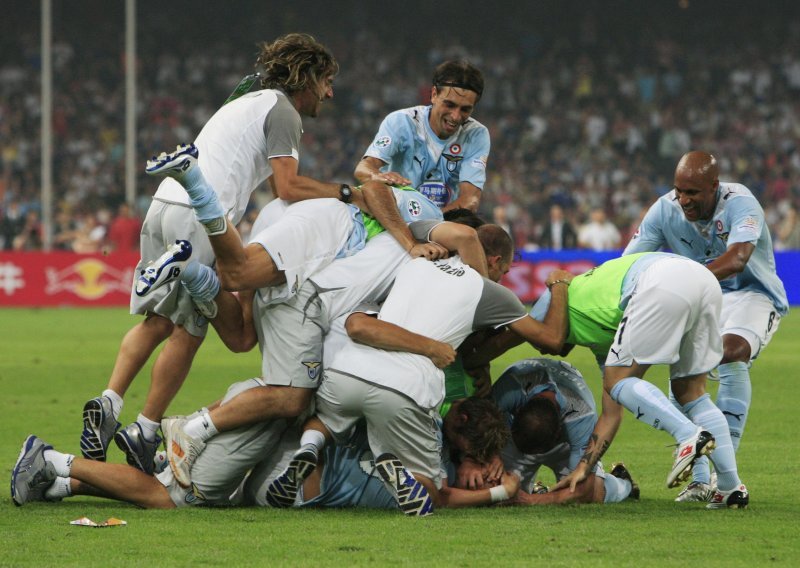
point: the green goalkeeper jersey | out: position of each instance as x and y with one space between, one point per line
594 304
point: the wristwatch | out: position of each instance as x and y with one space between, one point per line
345 193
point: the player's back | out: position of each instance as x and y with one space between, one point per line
233 151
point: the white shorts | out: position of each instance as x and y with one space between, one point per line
671 319
395 423
164 224
751 316
305 238
291 336
226 459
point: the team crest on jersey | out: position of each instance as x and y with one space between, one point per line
313 369
414 207
453 161
455 149
383 141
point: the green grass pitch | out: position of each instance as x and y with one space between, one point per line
53 360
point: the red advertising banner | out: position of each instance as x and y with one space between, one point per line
29 279
66 279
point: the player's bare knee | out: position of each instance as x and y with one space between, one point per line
735 348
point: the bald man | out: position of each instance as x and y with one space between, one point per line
722 226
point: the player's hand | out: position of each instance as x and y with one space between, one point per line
431 251
391 178
482 379
558 274
442 354
469 475
573 479
511 482
493 471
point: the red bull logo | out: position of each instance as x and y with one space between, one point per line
89 279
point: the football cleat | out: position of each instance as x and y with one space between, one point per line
139 452
282 492
32 475
696 491
736 498
411 496
174 164
165 268
686 453
99 426
182 449
619 470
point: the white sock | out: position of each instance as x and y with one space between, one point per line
312 440
59 489
201 427
116 402
149 428
61 462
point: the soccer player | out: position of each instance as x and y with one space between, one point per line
291 332
634 312
439 149
551 413
374 366
722 226
249 140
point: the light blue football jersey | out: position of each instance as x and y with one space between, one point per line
349 478
406 143
527 378
738 218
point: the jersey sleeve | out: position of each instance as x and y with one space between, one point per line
282 129
650 234
473 168
421 230
498 306
391 139
746 220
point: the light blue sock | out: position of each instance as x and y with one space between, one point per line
701 470
649 405
705 414
733 397
616 489
200 281
202 196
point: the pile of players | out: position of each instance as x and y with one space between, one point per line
368 303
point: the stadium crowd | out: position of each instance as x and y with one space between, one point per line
587 117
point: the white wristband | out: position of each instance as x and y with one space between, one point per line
498 493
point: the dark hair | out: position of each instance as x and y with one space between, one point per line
537 426
495 241
485 429
459 74
294 62
464 216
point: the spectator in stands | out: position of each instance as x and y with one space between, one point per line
599 234
558 233
123 233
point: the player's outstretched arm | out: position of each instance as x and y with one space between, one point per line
369 330
733 261
600 440
464 241
369 169
454 498
550 335
289 185
585 492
